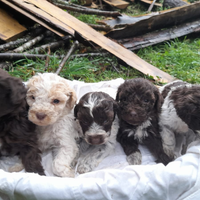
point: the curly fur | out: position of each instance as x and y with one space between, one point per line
96 114
180 114
17 133
139 104
51 102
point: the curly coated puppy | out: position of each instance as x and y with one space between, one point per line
96 114
17 133
180 114
51 102
139 104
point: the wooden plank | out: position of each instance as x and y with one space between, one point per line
32 17
117 3
150 2
37 7
166 18
10 29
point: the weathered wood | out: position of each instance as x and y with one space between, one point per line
47 11
164 19
36 19
156 37
173 3
150 2
117 3
10 29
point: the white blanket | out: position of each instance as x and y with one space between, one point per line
113 178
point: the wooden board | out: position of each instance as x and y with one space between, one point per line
117 3
32 17
10 29
47 11
150 2
164 19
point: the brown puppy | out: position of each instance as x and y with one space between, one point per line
139 104
17 133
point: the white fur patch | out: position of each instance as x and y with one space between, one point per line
92 102
140 133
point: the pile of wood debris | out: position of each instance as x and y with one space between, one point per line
121 34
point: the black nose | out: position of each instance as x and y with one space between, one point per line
40 116
133 114
95 140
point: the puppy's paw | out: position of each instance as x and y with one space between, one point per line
86 164
63 171
134 158
16 168
169 150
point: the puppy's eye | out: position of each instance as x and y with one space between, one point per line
105 122
84 122
32 97
146 100
56 101
123 99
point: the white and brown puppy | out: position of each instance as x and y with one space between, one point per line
51 102
139 104
96 114
180 114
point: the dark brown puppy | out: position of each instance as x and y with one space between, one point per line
139 104
17 133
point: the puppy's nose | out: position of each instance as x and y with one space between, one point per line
133 114
95 140
40 116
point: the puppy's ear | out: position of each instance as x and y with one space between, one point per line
73 98
17 90
117 95
76 108
159 101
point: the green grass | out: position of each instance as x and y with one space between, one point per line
179 58
82 69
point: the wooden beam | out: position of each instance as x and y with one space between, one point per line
10 29
47 11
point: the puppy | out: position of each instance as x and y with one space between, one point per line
139 104
96 114
180 114
51 102
17 133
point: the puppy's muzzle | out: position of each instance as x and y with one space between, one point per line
96 139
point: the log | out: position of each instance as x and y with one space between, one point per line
50 46
159 20
156 37
29 44
174 3
89 11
